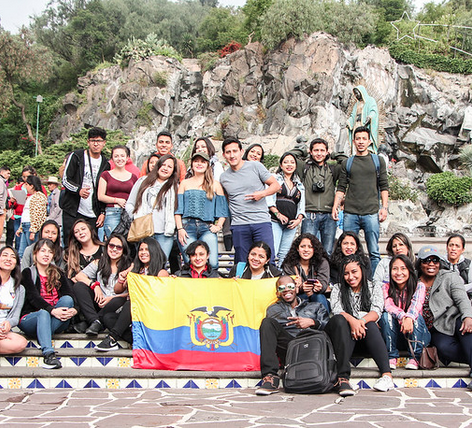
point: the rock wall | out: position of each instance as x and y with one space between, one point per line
302 88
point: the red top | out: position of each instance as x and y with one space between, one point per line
117 188
52 298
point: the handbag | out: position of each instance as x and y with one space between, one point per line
429 359
123 226
142 227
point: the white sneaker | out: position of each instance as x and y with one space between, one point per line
384 384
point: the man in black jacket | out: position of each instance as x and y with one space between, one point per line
81 175
284 320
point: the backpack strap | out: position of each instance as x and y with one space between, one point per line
34 273
375 159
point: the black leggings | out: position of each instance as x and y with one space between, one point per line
89 307
339 331
120 324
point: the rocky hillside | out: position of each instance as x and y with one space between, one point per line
302 88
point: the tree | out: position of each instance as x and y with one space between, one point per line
253 11
21 61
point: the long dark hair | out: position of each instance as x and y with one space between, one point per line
265 247
34 181
16 272
73 250
104 264
209 145
57 243
337 256
292 258
410 286
345 288
171 182
251 147
405 240
157 257
53 273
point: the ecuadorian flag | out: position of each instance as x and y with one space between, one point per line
198 324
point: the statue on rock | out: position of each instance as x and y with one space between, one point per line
364 113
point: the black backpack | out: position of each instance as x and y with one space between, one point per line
310 364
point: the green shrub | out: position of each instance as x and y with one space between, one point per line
447 188
138 49
160 78
465 156
271 161
208 60
400 190
429 60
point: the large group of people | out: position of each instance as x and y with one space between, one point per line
69 266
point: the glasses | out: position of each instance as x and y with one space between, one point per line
430 260
97 141
286 287
115 247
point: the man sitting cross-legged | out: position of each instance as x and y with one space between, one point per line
284 320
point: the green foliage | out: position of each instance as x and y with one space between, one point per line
137 50
465 156
340 19
433 61
253 12
208 60
271 161
143 116
447 188
400 190
49 162
220 27
160 78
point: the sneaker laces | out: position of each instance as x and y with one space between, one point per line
269 378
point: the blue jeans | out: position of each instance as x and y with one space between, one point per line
394 339
371 226
165 242
24 238
245 235
322 226
112 218
283 238
200 230
43 325
16 226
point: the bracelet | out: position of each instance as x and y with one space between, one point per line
179 228
363 319
276 213
95 285
384 208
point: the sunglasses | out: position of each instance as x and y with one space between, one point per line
286 287
430 260
115 247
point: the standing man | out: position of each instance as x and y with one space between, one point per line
319 180
363 177
4 177
81 174
245 184
164 146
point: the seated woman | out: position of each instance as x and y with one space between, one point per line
150 260
202 208
49 230
357 306
308 260
457 262
399 243
257 265
156 193
447 310
347 244
403 301
84 247
95 287
12 296
114 187
287 206
49 304
198 253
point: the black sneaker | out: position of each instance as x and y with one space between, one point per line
94 328
270 385
469 386
50 361
344 388
107 344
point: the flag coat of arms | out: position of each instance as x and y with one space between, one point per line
198 324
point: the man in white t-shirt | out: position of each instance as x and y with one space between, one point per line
81 175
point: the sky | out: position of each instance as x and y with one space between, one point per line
15 13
